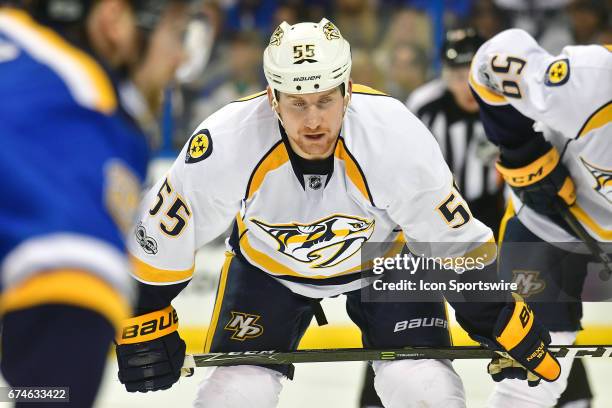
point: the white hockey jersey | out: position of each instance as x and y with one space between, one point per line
569 96
389 181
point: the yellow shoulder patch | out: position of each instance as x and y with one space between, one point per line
599 118
363 89
200 146
557 73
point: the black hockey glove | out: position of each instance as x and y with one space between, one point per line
541 183
150 351
522 341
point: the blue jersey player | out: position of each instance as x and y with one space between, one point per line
72 162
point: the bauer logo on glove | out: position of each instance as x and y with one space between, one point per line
149 326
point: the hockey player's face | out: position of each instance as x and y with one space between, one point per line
457 83
312 121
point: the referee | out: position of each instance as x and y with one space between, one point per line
446 106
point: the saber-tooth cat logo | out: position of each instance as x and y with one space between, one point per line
603 180
324 243
244 327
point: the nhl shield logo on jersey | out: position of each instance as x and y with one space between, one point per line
603 179
557 73
199 147
528 282
315 182
244 327
322 244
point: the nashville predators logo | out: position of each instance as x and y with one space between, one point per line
199 147
603 180
277 35
527 282
557 73
330 31
243 326
324 243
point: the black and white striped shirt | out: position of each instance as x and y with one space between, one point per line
468 153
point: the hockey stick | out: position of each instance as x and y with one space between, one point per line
358 354
589 241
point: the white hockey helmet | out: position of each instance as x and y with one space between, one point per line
307 57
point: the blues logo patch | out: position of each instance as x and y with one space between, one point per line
557 73
200 146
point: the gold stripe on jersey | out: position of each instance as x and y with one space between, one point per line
252 96
487 250
589 222
275 158
353 171
509 213
486 94
366 90
67 287
241 226
106 101
218 301
151 274
599 118
608 47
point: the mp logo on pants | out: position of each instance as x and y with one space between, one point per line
243 325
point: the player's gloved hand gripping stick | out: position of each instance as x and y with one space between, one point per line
523 343
540 183
150 351
545 186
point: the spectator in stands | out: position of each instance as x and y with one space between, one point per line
364 70
358 21
241 76
589 20
407 70
488 19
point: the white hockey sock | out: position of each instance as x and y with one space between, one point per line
239 387
418 383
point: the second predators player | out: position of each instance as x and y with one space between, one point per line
550 116
308 172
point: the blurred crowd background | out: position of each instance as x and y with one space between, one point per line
395 43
